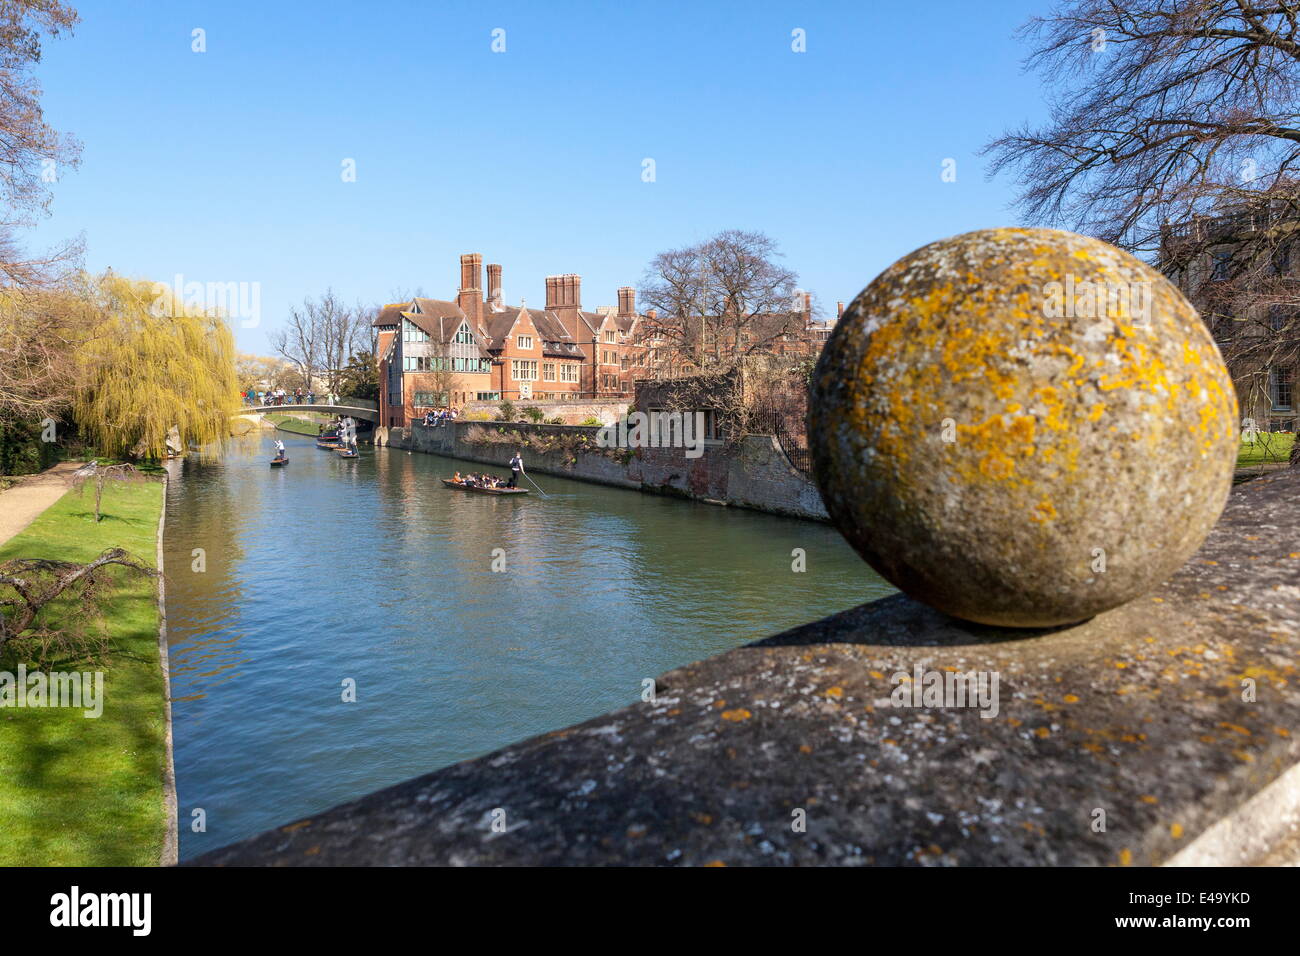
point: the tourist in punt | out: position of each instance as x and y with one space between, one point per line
516 466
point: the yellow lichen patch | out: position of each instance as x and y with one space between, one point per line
1043 511
836 692
1070 699
1147 798
1125 857
295 826
736 715
1176 831
715 863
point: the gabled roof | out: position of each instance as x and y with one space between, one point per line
556 339
439 308
442 323
389 315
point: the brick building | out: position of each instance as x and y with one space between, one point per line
435 353
1240 267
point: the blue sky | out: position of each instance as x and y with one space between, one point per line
225 166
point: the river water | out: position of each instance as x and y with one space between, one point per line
285 585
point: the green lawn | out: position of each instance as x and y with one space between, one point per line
289 423
1267 447
89 792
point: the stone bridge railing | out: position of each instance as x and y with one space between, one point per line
1131 697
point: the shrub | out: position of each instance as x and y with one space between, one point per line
592 421
535 415
507 410
557 420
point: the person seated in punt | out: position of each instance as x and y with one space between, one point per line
457 478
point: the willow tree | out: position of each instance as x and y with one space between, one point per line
153 362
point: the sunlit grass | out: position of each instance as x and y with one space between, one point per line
89 792
289 423
1267 447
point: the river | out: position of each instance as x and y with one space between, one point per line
286 586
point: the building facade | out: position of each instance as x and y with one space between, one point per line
1241 269
440 353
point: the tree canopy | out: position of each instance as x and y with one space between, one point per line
1159 110
153 362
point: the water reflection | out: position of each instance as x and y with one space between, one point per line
329 569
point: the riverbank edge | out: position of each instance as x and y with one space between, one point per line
171 835
753 473
1119 741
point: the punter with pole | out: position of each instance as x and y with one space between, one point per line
516 468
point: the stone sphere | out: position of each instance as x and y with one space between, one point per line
1022 427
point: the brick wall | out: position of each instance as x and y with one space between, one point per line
607 411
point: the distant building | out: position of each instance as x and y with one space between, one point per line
436 353
1241 269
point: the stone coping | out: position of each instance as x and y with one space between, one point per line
1137 714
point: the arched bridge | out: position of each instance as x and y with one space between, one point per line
356 411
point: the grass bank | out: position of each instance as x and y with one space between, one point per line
89 792
1267 448
289 423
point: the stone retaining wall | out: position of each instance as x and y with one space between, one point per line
754 473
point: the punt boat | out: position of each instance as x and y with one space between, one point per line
485 491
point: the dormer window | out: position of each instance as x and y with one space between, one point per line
524 341
463 335
609 336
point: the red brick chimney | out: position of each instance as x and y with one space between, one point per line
807 305
564 298
470 297
494 284
839 310
627 300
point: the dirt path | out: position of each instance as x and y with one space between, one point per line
24 502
